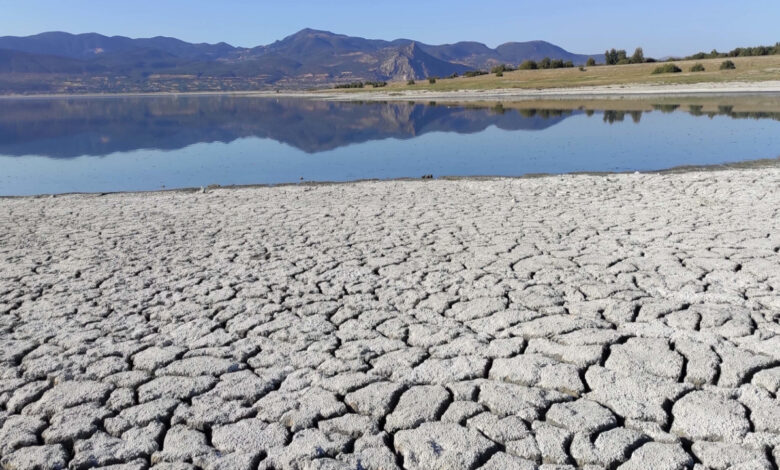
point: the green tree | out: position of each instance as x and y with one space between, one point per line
545 63
728 65
591 62
638 57
614 56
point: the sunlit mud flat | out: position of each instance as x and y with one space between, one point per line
621 321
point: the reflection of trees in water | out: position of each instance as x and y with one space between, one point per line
545 113
612 117
666 108
728 110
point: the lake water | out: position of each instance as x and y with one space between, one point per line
148 143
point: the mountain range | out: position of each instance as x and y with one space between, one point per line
94 62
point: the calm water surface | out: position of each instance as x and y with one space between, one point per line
130 144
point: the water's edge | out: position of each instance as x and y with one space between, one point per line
742 165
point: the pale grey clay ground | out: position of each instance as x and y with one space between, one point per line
627 321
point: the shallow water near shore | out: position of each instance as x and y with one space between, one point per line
148 143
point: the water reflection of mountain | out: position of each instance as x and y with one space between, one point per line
66 128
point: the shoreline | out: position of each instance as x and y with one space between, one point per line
629 91
617 92
747 165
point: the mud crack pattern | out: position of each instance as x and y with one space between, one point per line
621 322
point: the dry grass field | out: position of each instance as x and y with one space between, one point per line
749 69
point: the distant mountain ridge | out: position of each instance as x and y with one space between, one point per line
308 57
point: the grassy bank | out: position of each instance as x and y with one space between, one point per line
748 69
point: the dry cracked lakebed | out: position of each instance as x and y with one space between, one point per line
619 322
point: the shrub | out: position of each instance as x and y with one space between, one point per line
529 65
697 68
591 62
351 85
474 73
667 68
502 68
548 63
727 65
582 69
377 84
623 62
738 52
499 74
410 82
431 80
454 75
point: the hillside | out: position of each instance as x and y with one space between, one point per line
59 62
478 56
25 63
748 69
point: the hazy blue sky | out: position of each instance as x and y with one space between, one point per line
662 27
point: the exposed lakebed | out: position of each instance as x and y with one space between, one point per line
146 143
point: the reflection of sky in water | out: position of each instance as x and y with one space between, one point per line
576 143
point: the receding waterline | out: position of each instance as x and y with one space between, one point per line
149 143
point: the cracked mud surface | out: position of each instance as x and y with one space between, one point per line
629 321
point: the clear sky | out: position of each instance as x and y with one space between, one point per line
662 27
